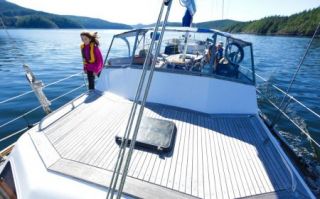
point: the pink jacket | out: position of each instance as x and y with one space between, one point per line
97 66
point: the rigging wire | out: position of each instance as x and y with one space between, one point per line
36 108
116 172
288 95
13 134
18 51
290 119
134 118
28 92
146 92
291 98
15 97
23 94
283 106
222 10
19 117
14 46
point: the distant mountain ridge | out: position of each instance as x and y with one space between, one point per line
15 16
300 24
218 24
170 24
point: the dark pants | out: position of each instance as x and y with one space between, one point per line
91 79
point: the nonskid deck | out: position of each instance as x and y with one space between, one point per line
215 156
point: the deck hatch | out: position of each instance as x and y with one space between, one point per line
154 135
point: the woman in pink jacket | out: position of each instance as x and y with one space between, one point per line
92 57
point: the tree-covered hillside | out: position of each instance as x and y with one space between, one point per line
15 16
218 24
302 24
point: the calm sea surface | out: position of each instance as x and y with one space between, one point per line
55 54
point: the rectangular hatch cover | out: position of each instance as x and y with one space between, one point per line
154 134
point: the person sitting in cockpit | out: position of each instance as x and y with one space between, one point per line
219 52
211 64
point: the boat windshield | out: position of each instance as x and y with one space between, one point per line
193 51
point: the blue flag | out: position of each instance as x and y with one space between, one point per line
191 10
187 19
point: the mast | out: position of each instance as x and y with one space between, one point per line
187 20
222 11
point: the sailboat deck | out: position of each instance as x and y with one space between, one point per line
215 156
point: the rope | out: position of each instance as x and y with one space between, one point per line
293 79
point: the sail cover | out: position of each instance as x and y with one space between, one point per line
191 10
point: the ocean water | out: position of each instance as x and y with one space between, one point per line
52 55
55 54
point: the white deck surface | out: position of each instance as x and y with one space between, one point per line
215 156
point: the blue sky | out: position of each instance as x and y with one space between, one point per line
146 11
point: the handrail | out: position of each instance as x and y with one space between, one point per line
28 92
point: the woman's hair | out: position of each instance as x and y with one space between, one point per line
92 36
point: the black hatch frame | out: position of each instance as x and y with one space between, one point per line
154 135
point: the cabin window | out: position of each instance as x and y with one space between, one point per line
121 51
198 52
7 187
